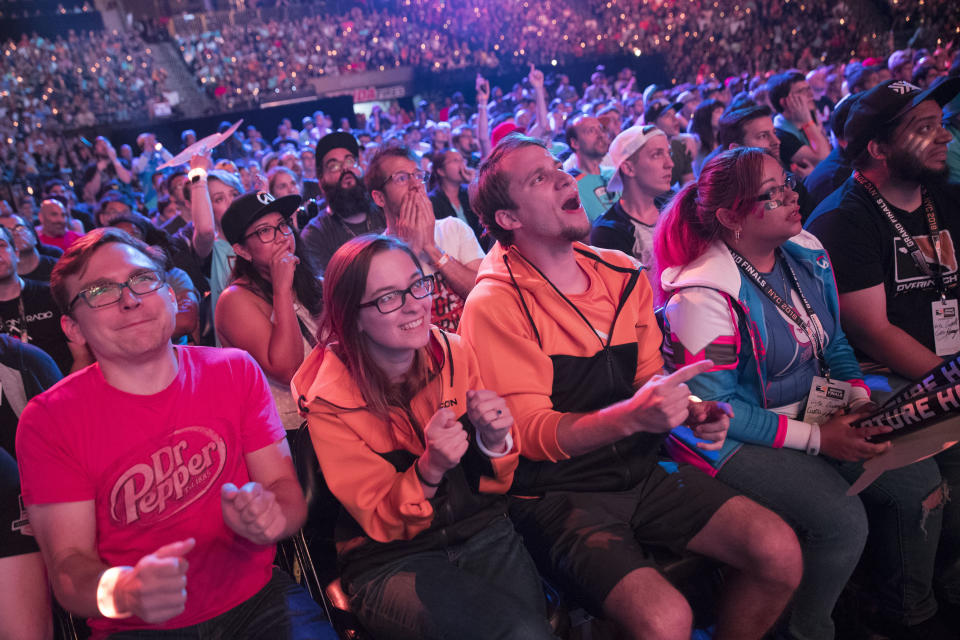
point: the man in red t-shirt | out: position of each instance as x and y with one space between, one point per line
131 467
53 225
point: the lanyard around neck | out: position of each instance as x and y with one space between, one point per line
807 326
933 230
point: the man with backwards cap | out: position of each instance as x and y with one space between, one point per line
350 212
640 157
890 230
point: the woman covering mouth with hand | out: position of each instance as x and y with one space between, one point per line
274 299
418 454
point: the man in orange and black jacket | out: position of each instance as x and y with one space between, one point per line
567 335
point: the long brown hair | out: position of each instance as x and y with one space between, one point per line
345 281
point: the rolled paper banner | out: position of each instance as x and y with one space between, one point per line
908 449
942 375
917 413
201 147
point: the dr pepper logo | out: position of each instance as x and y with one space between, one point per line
167 478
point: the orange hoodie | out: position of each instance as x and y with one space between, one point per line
549 354
368 464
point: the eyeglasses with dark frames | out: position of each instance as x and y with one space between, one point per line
337 166
107 293
403 177
268 234
393 300
773 197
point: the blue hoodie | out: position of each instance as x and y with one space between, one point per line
714 312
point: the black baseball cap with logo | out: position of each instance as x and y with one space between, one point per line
335 140
249 208
878 111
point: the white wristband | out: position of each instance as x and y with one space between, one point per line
813 444
197 174
106 602
490 454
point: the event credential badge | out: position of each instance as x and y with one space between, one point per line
826 397
946 327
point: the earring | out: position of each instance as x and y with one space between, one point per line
736 234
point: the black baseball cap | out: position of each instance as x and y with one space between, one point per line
841 111
880 109
658 108
249 208
335 140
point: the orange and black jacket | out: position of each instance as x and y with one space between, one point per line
368 463
549 354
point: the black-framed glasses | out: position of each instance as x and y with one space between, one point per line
268 234
773 197
107 293
338 165
393 300
403 177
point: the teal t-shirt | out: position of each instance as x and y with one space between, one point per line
221 266
593 192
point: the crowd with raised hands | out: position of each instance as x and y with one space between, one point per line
552 332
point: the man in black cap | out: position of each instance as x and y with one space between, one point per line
350 212
663 114
897 146
830 173
889 230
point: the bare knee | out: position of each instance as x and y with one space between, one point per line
646 606
773 551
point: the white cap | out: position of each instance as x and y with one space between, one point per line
625 145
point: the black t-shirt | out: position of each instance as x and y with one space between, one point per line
43 270
49 250
173 225
827 177
682 160
43 322
866 251
615 230
14 541
28 368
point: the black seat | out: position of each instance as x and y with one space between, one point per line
314 545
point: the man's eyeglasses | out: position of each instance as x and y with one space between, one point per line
404 177
268 234
107 293
773 198
390 302
337 166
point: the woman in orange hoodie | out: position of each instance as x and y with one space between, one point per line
419 456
